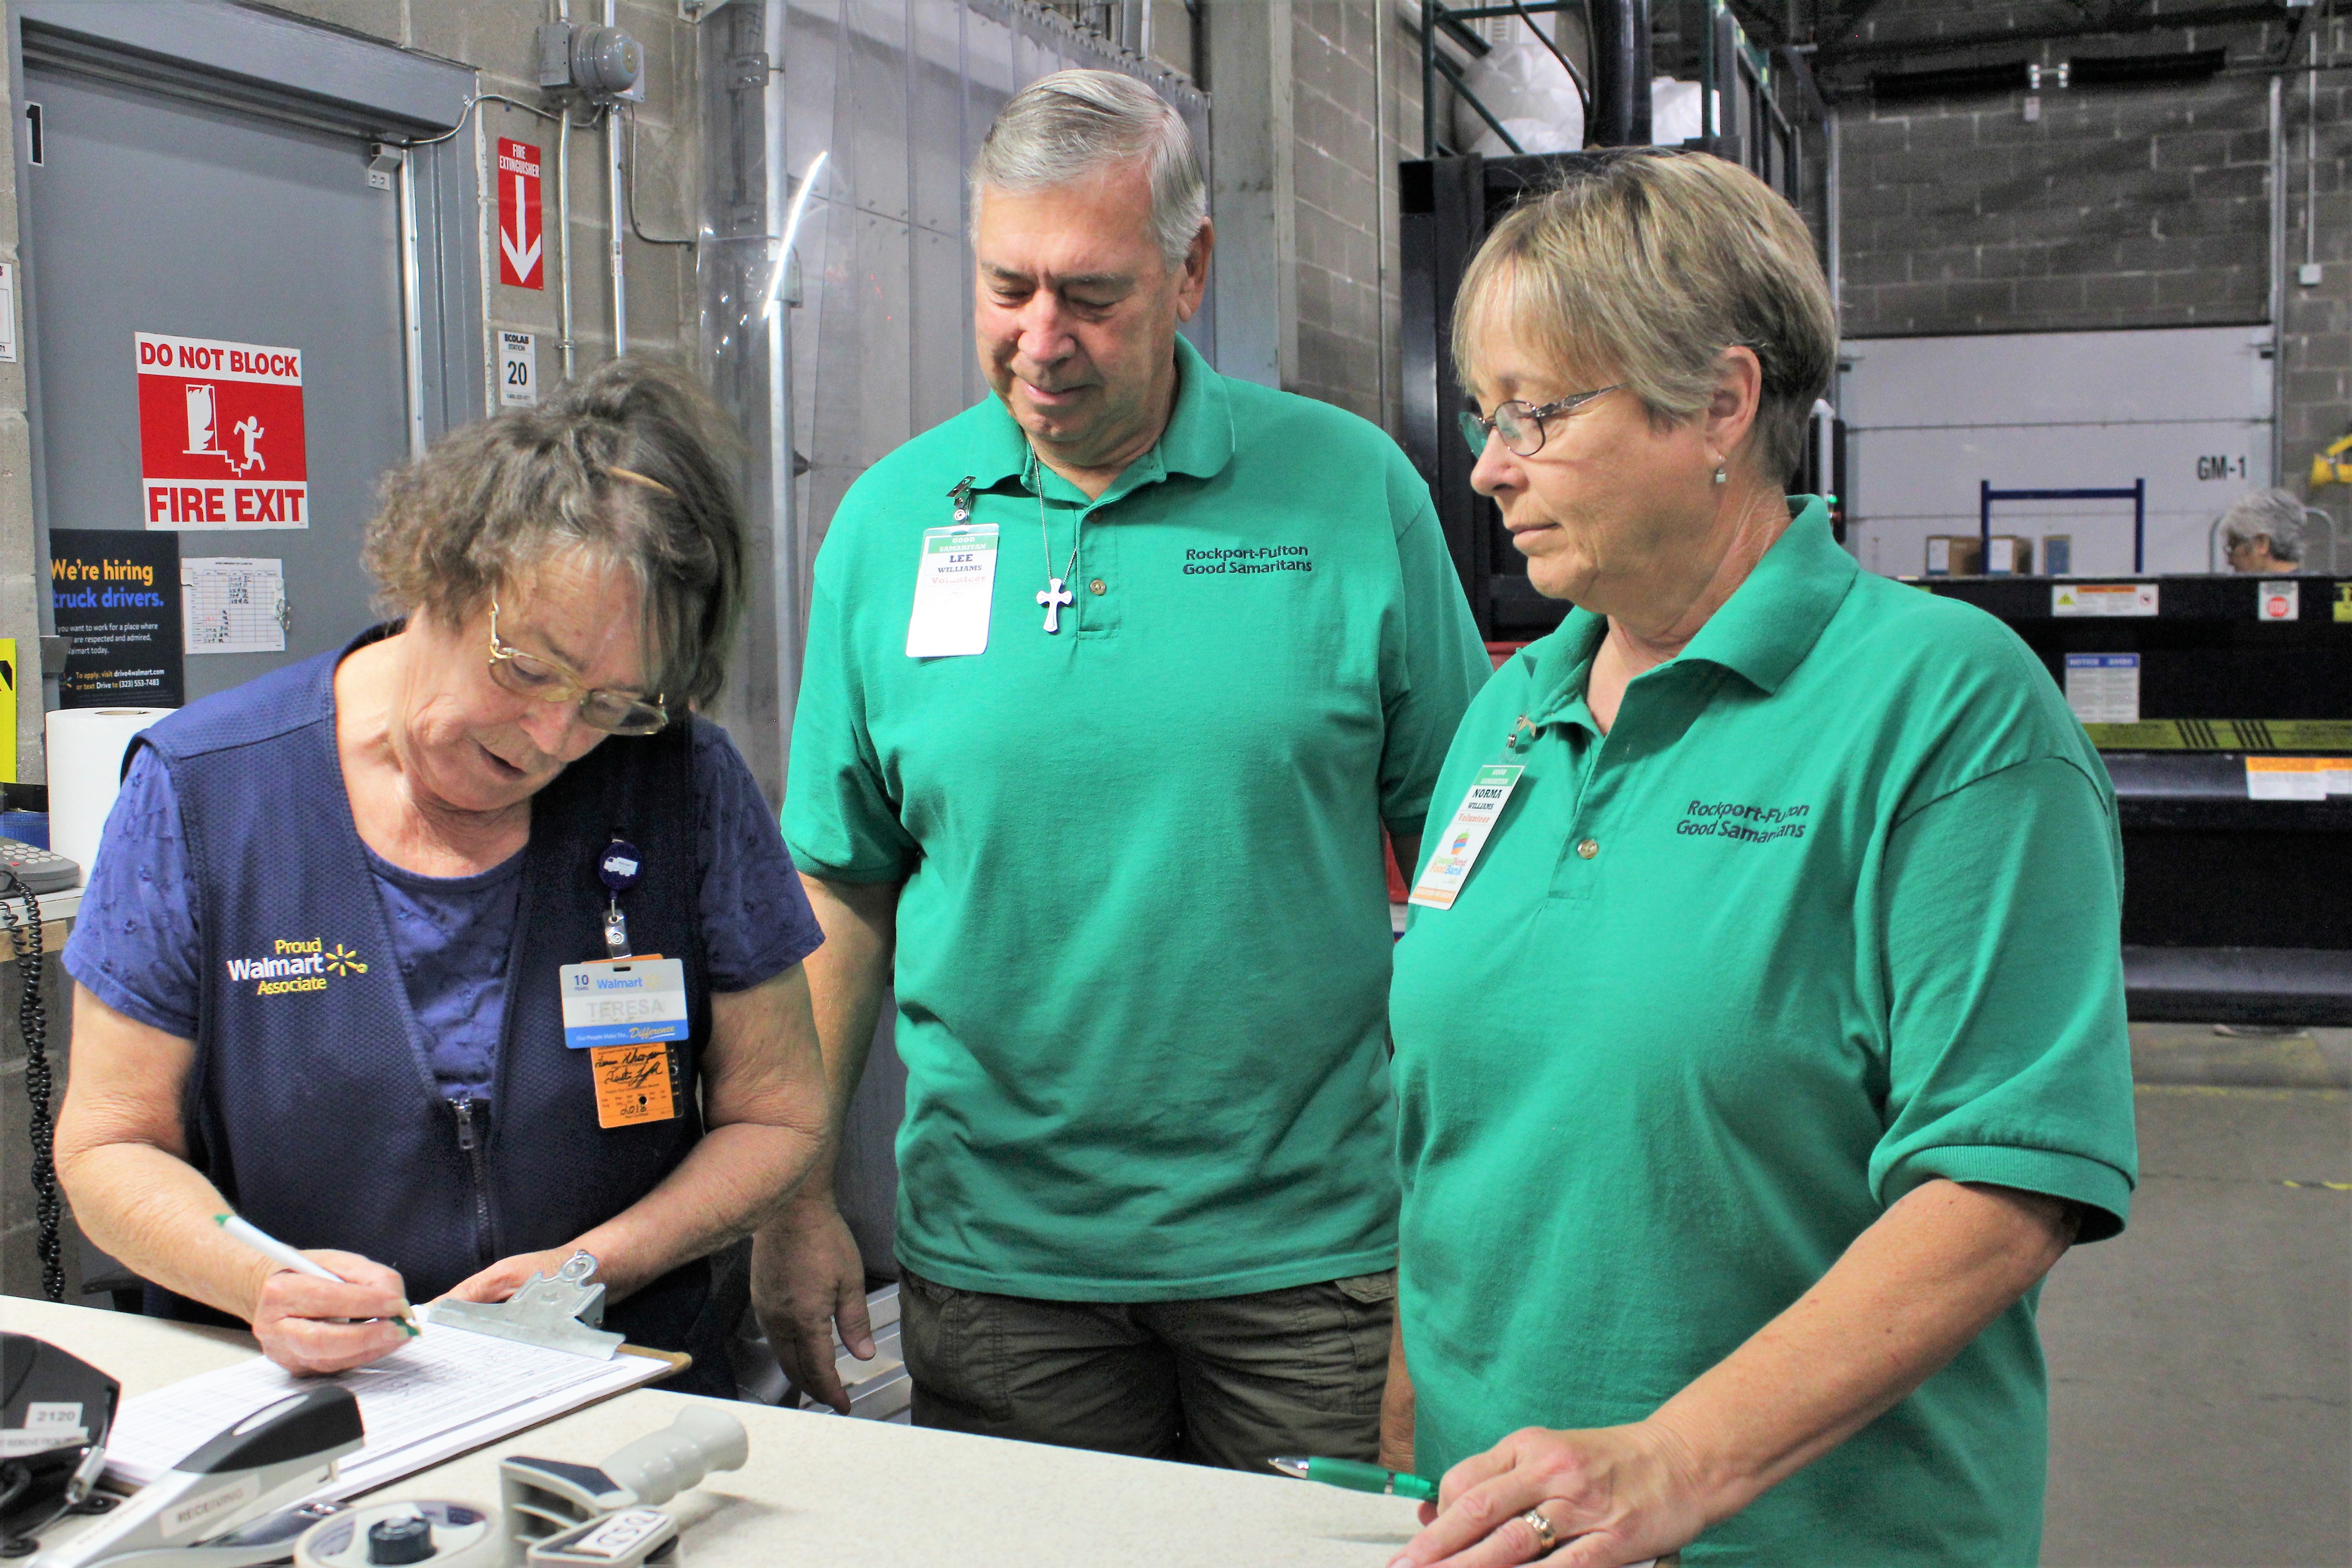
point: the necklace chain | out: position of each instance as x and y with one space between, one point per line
1045 540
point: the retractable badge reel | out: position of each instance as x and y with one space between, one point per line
619 867
626 1011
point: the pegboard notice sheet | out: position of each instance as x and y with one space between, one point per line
233 604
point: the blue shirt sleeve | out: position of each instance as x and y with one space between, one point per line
756 922
135 943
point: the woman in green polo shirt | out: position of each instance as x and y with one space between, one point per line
1760 1035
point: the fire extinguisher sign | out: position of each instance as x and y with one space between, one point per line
220 435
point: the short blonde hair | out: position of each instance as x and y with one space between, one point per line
1644 269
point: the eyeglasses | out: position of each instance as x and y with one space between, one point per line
1521 424
614 712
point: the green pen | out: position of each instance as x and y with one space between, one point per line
1358 1477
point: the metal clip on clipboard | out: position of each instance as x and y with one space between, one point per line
557 1314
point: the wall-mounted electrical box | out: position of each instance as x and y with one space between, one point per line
603 65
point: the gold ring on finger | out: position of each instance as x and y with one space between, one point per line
1546 1539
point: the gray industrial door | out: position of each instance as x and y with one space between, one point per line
159 209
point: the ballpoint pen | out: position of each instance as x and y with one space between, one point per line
1358 1476
278 1252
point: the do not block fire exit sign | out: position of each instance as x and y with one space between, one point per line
220 435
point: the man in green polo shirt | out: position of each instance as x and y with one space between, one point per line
1112 682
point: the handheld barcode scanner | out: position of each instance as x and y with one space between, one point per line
221 1506
55 1411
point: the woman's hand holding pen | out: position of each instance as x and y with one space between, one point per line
310 1326
1609 1496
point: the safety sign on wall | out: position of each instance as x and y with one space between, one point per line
220 435
518 370
519 228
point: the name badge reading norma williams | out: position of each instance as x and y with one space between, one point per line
1449 864
955 583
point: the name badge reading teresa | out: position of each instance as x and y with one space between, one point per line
955 583
635 1002
1449 866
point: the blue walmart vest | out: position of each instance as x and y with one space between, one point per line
313 1106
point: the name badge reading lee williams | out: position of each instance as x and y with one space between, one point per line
955 583
635 1002
1449 866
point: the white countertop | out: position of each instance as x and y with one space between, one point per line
824 1490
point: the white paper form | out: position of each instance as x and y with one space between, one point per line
443 1394
233 604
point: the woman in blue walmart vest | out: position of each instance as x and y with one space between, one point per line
319 961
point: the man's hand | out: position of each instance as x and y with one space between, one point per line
1611 1496
312 1327
807 1275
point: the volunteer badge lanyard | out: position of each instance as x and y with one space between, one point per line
1481 807
626 1010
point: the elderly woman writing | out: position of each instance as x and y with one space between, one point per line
322 966
1771 1049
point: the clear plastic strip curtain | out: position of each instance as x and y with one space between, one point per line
899 94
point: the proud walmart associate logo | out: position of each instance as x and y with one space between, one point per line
296 966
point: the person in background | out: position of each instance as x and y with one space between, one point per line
322 966
1773 1047
1112 681
2264 531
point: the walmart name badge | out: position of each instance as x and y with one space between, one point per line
955 583
635 1002
1449 865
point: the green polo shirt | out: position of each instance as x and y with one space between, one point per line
1833 910
1143 942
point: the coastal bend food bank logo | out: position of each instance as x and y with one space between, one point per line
296 966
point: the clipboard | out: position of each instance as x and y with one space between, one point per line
454 1389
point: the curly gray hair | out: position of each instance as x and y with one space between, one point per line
632 463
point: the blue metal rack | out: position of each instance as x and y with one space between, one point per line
2136 494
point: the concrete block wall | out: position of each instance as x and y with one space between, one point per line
1355 112
2114 207
496 38
2315 319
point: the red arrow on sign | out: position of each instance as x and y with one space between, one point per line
519 228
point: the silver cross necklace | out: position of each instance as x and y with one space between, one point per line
1055 593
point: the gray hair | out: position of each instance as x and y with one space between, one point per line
2278 515
632 463
1063 128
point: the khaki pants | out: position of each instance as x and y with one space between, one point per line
1230 1380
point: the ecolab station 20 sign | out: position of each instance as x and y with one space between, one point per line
220 435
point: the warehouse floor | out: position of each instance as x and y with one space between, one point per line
2201 1364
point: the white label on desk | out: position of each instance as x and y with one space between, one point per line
2104 687
955 583
633 1002
2289 778
1450 862
2103 598
16 1442
619 1534
2276 601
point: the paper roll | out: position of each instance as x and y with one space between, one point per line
86 747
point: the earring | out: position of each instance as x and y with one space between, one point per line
1720 476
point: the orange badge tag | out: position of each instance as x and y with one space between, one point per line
633 1084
